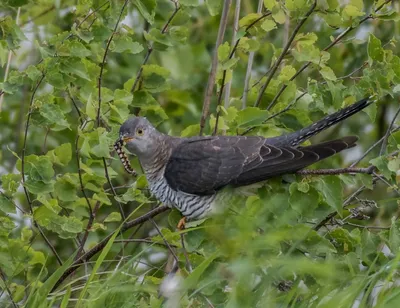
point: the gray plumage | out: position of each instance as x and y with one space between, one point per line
188 173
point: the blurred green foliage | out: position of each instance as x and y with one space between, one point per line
73 71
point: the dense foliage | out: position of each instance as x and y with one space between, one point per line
72 230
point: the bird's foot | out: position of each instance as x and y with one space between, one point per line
182 223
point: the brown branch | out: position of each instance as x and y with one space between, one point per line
103 63
164 239
288 107
88 255
282 55
232 53
150 48
88 227
213 72
23 152
368 170
333 43
78 163
388 132
3 277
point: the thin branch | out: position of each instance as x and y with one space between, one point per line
213 72
250 65
3 277
10 53
333 214
164 239
150 48
333 43
368 170
234 34
88 227
282 55
388 132
366 227
88 255
103 63
372 147
288 107
232 53
23 153
78 163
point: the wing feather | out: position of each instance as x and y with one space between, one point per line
203 165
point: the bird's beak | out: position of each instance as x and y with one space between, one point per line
127 139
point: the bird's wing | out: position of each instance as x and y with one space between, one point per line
204 165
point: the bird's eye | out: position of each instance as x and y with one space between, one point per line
139 131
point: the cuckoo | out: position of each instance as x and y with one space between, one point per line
189 173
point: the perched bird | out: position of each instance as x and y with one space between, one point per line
189 173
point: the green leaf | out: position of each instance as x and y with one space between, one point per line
251 116
286 73
331 188
155 78
124 43
147 9
306 52
381 163
54 116
279 16
10 182
73 49
102 197
303 202
223 52
66 187
6 205
61 155
114 216
268 25
351 11
249 19
214 7
327 73
375 50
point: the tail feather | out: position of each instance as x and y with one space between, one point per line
302 135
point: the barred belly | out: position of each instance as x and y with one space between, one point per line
191 206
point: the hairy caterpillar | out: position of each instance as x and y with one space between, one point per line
123 158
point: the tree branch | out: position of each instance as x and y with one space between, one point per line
213 71
368 170
333 43
150 48
283 53
103 63
88 255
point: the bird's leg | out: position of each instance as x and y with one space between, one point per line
182 223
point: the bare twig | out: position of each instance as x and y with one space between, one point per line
164 240
150 48
213 72
288 107
103 63
88 255
232 53
250 66
88 227
10 53
3 277
388 132
235 30
23 152
78 163
333 43
283 53
372 147
368 170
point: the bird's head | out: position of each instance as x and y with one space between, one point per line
139 136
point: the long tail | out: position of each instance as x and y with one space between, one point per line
302 135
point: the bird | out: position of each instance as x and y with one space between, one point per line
190 174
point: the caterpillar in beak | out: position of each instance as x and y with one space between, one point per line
123 158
